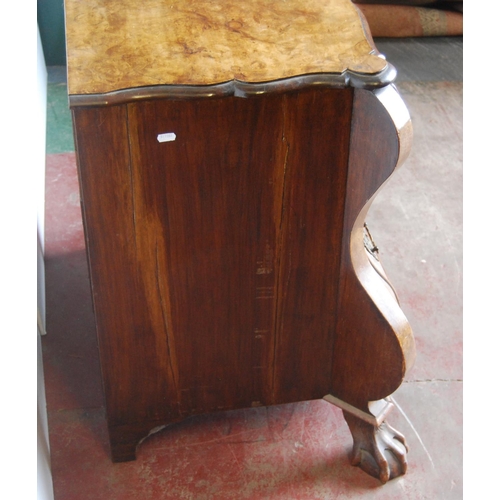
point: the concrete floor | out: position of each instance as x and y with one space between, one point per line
297 451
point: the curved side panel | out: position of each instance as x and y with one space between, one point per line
374 344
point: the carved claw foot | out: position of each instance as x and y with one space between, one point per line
378 450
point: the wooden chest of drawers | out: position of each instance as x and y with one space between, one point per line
227 154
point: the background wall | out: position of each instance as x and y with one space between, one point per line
50 16
44 477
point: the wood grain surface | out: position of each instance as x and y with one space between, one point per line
114 45
214 257
317 138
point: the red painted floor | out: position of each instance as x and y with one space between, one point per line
297 451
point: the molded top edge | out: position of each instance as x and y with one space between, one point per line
236 88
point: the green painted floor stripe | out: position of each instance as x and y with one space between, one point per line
59 127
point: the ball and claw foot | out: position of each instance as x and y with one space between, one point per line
380 451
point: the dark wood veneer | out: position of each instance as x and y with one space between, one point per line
207 253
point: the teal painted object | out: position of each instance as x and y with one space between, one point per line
59 125
50 18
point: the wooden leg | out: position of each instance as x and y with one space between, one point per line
378 449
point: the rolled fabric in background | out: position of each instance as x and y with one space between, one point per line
415 18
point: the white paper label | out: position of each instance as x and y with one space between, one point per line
167 137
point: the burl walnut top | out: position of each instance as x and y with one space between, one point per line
122 44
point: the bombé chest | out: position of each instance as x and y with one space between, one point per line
227 153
